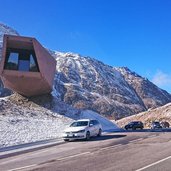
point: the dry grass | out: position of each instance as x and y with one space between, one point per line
162 113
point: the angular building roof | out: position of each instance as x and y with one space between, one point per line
26 66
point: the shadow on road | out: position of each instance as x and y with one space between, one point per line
104 137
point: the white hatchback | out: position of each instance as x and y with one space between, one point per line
82 129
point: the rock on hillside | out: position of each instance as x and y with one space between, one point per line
162 113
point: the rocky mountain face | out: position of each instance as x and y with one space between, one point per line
151 95
86 83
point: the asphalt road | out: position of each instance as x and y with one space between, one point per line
126 151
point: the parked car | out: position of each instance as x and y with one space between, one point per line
82 129
134 125
156 125
165 124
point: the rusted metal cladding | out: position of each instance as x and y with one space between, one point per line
26 67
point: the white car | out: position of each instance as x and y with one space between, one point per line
82 129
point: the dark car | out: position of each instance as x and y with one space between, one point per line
156 125
134 125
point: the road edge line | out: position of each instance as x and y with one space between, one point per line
155 163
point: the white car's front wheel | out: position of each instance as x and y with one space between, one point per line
100 133
87 135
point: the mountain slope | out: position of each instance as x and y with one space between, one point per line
86 83
162 113
151 95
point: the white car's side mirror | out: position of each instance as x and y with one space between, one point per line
91 125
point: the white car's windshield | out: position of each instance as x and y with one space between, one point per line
79 123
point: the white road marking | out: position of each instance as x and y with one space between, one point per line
118 145
151 136
39 152
19 157
113 146
76 155
24 167
152 164
60 159
139 139
9 161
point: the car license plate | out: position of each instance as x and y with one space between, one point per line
70 135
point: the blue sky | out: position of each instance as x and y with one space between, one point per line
132 33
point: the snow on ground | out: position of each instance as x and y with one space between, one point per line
21 124
19 130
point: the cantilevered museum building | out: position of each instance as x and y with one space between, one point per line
26 66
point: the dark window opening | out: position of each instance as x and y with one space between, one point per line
21 60
12 61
